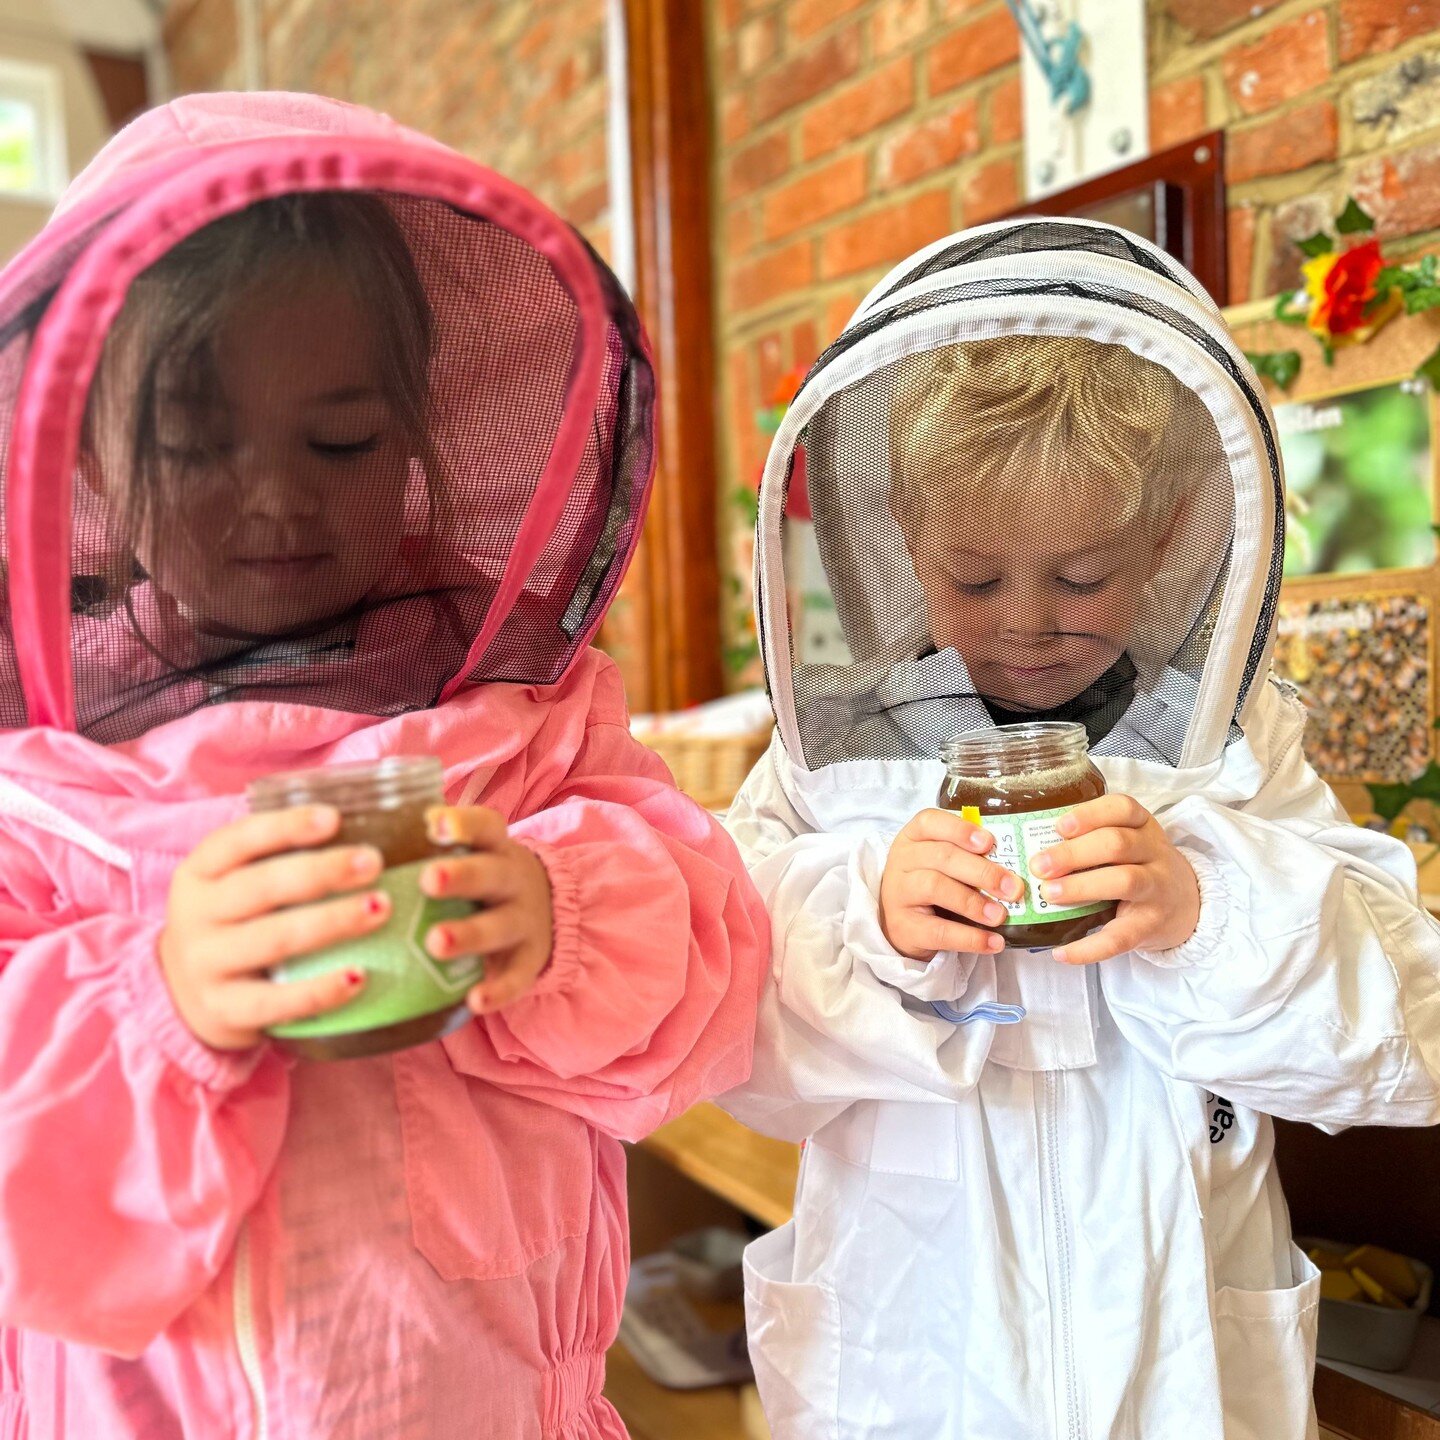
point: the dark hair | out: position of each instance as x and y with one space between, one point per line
179 303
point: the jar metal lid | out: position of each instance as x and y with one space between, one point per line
388 784
1019 749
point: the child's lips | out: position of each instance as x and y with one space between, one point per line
1030 672
281 567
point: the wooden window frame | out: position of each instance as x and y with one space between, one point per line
1187 183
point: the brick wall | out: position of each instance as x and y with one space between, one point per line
851 132
517 85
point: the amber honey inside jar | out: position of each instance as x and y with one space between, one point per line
1018 781
408 999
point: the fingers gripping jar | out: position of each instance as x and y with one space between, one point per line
1017 781
409 997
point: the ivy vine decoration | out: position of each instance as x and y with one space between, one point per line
1350 292
746 500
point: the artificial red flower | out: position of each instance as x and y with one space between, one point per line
1341 287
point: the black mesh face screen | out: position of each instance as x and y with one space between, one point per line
1036 237
308 453
1005 527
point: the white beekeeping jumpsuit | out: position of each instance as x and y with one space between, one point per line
1071 1227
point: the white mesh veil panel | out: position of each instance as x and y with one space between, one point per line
1038 491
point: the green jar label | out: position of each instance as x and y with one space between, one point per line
1018 838
403 980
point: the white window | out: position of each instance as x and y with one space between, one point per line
32 131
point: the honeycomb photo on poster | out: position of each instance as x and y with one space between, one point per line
1359 479
1362 664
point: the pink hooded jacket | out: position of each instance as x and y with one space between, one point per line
427 1245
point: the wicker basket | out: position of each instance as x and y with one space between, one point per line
708 768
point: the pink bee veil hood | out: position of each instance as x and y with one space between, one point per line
518 520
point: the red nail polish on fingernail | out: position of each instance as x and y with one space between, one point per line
354 977
441 939
439 877
375 904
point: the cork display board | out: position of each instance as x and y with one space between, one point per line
1361 595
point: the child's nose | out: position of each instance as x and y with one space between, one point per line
1030 615
274 487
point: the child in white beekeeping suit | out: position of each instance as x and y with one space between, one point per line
1047 491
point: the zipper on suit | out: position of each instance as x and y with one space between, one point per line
1066 1369
245 1333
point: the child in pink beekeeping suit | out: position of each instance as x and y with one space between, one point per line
326 445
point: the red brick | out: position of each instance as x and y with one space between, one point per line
824 192
1007 115
780 272
896 24
990 191
1286 62
1289 142
739 229
757 164
858 109
1401 190
770 364
804 18
589 204
930 145
838 310
1207 18
1291 222
757 43
1240 243
1370 26
735 118
742 396
885 235
973 50
804 344
582 160
1177 111
535 40
808 75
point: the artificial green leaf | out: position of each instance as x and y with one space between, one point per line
747 501
1328 351
737 657
1390 800
1283 311
1317 244
1422 298
1429 369
1352 220
1396 277
1428 269
1279 366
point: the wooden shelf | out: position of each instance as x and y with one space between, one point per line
755 1174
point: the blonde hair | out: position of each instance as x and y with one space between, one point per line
1000 419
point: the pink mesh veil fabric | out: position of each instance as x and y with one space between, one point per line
324 414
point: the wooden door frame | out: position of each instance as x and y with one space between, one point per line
675 584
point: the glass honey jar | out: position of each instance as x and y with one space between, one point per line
409 996
1017 781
